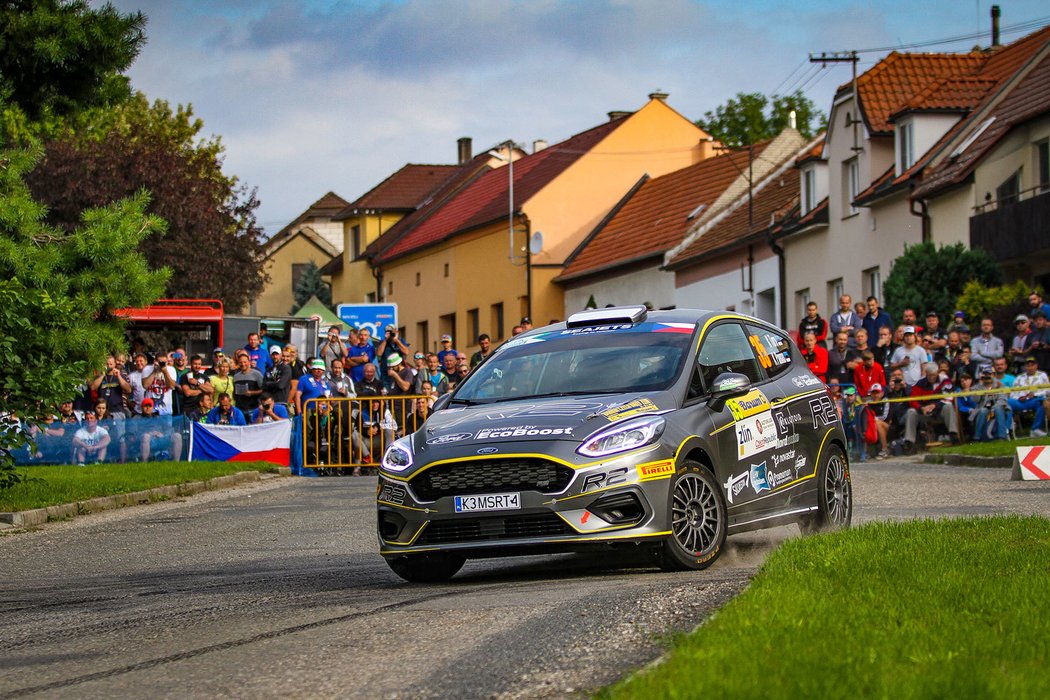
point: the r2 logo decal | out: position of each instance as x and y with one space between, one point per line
823 411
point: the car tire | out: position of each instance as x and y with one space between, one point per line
434 567
834 495
699 520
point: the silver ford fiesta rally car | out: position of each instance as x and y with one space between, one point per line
620 427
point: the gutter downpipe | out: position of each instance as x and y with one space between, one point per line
528 264
778 250
923 214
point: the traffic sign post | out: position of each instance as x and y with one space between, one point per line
374 317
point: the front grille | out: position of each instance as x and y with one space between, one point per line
503 528
491 476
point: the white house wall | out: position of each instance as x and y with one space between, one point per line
950 216
637 287
724 291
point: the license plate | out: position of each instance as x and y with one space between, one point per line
491 501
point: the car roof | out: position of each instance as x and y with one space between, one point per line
616 315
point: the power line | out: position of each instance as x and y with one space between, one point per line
1010 29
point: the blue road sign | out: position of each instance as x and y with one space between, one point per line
374 317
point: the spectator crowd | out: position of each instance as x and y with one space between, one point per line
895 381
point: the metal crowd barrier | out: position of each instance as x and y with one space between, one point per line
344 433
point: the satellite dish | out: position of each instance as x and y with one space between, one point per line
536 243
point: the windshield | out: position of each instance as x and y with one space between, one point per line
620 359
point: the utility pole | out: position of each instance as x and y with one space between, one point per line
828 57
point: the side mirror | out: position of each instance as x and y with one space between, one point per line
442 401
727 385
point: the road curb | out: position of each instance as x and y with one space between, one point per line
956 460
40 516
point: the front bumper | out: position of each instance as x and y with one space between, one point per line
619 499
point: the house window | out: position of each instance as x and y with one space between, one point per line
835 291
390 288
356 242
873 282
371 297
446 269
852 178
1007 192
1042 165
905 146
802 298
423 335
447 326
809 190
496 321
417 279
473 326
297 272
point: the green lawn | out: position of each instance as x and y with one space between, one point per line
923 609
996 448
53 485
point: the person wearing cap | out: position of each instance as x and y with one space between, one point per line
193 385
935 412
247 384
401 377
155 434
958 322
362 354
333 348
1016 353
909 357
934 338
868 373
269 411
1025 399
990 404
986 347
526 323
904 419
225 413
391 344
313 386
278 381
446 349
216 356
880 413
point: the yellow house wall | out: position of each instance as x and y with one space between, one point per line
277 298
355 282
654 140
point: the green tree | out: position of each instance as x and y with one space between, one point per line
212 229
57 293
999 303
751 117
309 285
59 56
927 277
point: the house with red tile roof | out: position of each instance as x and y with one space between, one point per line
881 139
623 260
484 252
313 236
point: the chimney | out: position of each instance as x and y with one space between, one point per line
995 25
618 114
792 120
658 95
466 149
538 145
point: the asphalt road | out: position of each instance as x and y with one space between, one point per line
276 589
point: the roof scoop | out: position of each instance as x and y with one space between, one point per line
616 314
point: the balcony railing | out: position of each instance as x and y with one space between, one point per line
1015 227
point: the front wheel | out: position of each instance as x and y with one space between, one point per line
834 495
699 520
433 567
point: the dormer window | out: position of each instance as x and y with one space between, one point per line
809 189
905 145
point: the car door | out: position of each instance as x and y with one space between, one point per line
743 431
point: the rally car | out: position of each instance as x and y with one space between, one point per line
620 427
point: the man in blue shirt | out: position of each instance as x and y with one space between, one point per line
313 386
361 354
225 413
269 411
876 318
257 353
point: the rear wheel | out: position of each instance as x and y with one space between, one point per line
834 495
699 520
433 567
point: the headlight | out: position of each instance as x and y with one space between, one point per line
629 435
398 456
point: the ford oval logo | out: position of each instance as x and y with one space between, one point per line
488 450
445 439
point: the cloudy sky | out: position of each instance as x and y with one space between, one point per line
317 95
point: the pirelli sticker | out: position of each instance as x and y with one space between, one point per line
631 408
751 403
655 470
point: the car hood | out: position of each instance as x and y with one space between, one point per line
557 418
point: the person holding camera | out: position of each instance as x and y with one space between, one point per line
194 384
158 382
269 411
392 344
112 386
333 348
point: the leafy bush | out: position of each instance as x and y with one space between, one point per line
1001 303
927 277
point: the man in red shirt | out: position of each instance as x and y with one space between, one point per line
816 356
868 373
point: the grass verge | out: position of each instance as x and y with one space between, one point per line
54 485
947 608
996 448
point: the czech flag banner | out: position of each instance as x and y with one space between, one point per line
262 442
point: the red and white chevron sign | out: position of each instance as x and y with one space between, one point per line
1035 463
